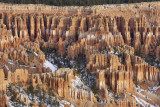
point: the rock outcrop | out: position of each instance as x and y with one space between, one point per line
20 75
118 81
3 83
119 43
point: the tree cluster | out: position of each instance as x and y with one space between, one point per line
74 2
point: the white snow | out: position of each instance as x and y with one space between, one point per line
112 52
77 83
32 52
110 94
27 66
139 90
11 62
143 102
65 102
7 67
124 97
155 88
35 53
9 102
102 101
117 53
50 65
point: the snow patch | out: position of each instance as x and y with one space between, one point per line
65 102
50 65
116 53
155 88
11 62
9 102
35 53
112 52
7 67
143 102
77 83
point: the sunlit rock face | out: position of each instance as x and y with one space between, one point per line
118 80
114 51
2 80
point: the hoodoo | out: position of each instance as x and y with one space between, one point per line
80 56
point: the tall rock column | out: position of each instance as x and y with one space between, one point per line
61 47
32 27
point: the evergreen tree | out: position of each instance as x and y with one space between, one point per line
73 2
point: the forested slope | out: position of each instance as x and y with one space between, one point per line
73 2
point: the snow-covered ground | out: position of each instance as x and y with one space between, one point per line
77 83
48 64
155 88
13 104
151 89
10 103
68 103
141 101
79 63
139 90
